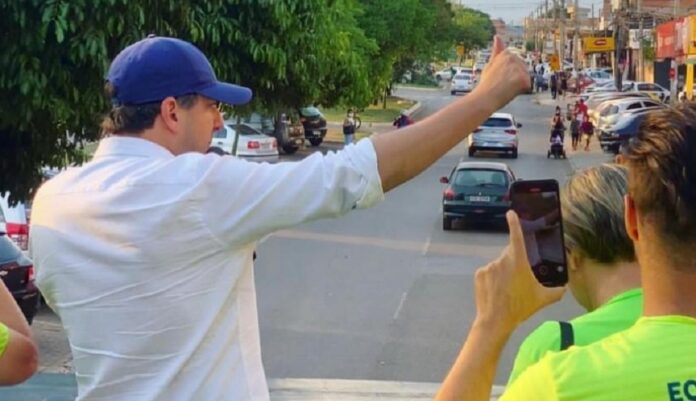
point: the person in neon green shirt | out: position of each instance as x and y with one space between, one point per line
18 352
655 359
603 274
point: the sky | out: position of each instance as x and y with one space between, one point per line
516 10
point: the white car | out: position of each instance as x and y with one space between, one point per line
497 134
601 77
14 221
252 144
610 111
444 74
462 83
653 90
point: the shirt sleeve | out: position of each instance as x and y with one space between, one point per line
545 338
243 201
535 384
4 338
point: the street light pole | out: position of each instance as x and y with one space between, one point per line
640 41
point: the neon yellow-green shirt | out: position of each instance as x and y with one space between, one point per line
4 338
654 360
617 314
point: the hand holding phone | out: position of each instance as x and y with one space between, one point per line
537 204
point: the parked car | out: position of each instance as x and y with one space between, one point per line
600 77
17 271
654 90
14 221
462 83
610 110
288 132
251 145
314 125
611 138
499 133
476 191
444 74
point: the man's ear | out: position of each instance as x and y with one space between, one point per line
631 218
575 260
168 113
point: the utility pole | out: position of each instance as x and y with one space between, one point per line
618 44
555 26
563 32
576 36
593 20
673 82
640 41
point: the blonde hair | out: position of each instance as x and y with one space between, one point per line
593 214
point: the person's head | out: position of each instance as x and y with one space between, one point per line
596 240
177 108
581 101
349 113
661 201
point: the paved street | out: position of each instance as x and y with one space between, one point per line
381 294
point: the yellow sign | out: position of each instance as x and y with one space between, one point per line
555 62
597 44
460 50
691 35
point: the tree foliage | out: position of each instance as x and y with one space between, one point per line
474 29
55 54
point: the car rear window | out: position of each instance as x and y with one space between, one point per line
220 134
246 130
8 250
463 77
480 177
497 122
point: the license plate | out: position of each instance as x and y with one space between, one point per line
480 198
265 146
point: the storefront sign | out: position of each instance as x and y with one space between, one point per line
597 44
665 40
680 37
691 35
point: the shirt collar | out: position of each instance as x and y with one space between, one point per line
635 292
130 146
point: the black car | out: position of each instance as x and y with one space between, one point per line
476 192
614 137
314 125
17 271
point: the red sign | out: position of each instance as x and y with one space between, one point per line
600 42
666 40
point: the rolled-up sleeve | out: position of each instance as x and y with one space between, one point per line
242 201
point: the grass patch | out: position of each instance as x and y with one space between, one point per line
336 135
373 114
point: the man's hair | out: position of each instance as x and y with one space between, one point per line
662 176
134 119
593 214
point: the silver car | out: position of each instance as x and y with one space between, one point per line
462 83
497 134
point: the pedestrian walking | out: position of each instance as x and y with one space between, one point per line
145 252
575 132
402 120
348 127
564 84
553 85
587 130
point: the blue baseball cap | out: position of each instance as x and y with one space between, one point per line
158 67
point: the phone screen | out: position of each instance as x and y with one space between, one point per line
538 206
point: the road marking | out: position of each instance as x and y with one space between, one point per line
434 248
401 305
426 246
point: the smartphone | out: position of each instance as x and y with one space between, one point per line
538 206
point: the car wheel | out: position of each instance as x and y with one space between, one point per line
472 151
453 92
316 141
514 153
290 149
438 77
446 223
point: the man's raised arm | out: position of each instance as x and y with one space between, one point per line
403 154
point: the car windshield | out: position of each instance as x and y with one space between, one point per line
480 178
497 122
8 250
310 112
245 130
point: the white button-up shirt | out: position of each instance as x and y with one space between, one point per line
147 259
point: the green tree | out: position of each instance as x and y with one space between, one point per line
55 54
474 29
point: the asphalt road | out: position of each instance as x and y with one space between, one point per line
385 294
379 294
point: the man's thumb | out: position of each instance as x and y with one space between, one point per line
498 46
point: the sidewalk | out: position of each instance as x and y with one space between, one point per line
59 387
580 159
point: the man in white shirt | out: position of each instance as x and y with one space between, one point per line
145 252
